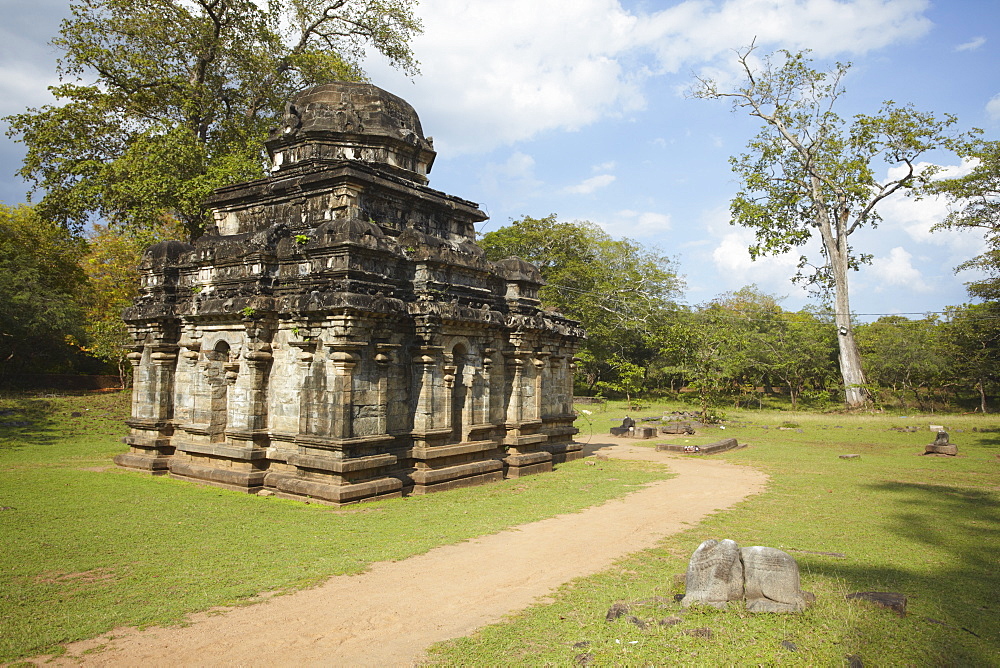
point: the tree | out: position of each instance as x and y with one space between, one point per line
804 353
905 356
701 343
973 334
620 291
40 317
808 172
162 101
976 197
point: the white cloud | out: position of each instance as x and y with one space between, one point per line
897 270
733 268
636 224
972 44
917 217
732 261
497 73
588 186
681 33
604 166
993 108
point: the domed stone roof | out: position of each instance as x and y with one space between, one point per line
352 121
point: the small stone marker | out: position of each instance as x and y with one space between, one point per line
850 456
941 446
771 581
627 425
644 432
616 611
703 632
714 574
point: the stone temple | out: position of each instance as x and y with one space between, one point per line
337 334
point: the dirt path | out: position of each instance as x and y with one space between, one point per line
390 614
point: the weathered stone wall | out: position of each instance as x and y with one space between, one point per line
337 334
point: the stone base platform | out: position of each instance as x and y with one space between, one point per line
151 464
240 481
293 486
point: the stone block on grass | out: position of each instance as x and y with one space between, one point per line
771 581
714 575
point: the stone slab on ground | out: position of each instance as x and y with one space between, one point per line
724 445
884 599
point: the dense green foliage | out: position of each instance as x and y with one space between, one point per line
621 291
162 101
740 348
40 286
809 173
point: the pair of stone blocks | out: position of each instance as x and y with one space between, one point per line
720 573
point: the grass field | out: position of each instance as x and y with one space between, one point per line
86 547
926 527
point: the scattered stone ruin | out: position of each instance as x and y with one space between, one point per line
765 578
338 335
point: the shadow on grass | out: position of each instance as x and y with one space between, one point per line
27 421
956 532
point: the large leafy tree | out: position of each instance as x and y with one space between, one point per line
906 357
976 199
621 291
972 334
40 317
809 172
162 101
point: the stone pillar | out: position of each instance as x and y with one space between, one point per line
486 415
542 383
249 418
515 409
426 360
151 425
383 364
340 398
557 423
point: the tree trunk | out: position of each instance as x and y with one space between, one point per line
855 394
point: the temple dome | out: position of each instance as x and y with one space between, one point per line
352 121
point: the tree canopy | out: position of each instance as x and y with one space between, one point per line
40 316
162 101
976 201
620 290
809 172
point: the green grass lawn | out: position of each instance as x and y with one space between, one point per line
927 527
86 547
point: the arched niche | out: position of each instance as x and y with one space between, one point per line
218 367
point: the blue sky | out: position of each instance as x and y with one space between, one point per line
579 109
